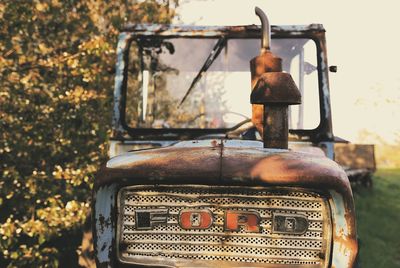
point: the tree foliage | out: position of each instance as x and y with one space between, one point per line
56 70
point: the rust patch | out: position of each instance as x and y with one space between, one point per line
191 164
275 87
240 165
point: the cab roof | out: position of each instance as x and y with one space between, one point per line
211 31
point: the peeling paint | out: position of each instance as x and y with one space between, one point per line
196 143
226 142
105 200
122 161
243 144
341 227
119 77
210 31
345 248
328 149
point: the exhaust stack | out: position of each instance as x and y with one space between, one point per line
272 92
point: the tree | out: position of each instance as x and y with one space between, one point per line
56 74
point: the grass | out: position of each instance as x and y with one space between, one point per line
378 220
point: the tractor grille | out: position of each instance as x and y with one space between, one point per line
169 244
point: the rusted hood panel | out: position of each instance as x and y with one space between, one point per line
224 161
178 163
290 168
227 162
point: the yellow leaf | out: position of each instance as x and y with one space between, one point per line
22 59
43 48
11 194
25 79
56 3
13 77
41 6
2 9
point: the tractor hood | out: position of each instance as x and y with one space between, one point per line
225 162
229 162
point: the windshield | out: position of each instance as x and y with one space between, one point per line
166 88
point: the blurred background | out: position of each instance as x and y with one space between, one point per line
56 80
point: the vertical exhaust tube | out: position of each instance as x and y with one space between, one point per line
265 28
272 92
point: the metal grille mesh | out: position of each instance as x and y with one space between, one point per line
171 243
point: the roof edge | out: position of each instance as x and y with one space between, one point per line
192 30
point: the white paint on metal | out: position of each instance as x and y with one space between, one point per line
105 200
128 159
341 252
145 92
325 84
227 144
112 150
196 143
328 149
120 66
193 30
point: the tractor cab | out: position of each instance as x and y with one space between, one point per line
179 83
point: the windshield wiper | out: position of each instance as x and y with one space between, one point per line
210 59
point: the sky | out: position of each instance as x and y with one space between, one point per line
363 40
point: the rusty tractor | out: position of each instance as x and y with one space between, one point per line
199 177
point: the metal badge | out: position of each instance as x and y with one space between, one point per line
249 220
289 223
147 218
195 219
